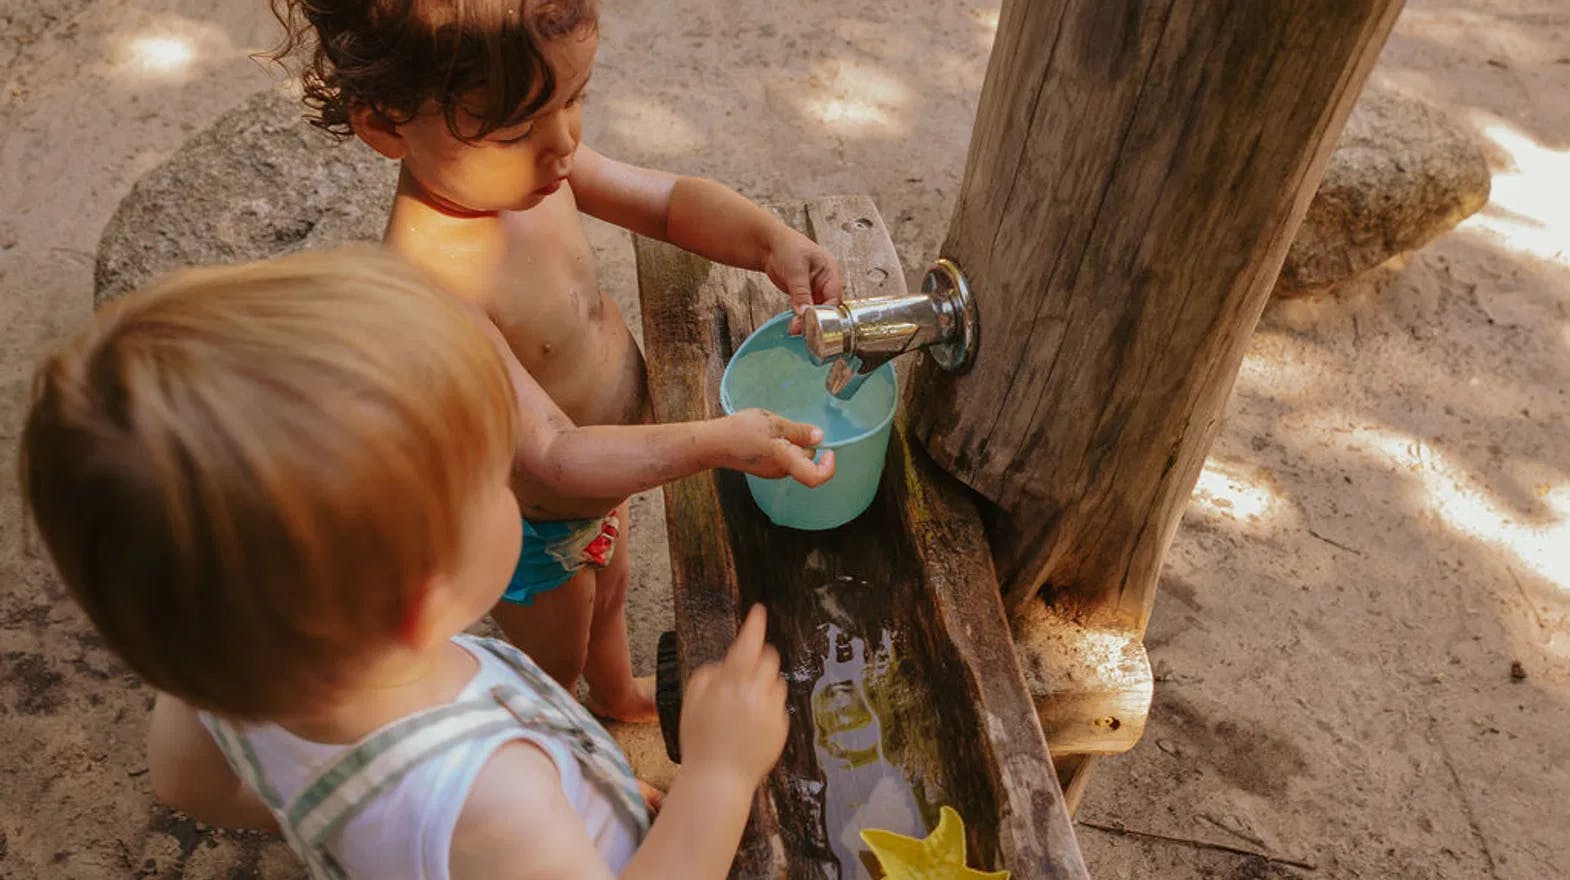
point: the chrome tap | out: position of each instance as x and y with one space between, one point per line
858 336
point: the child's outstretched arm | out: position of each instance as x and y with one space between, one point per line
615 461
516 824
709 219
733 727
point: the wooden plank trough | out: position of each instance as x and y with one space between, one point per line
905 694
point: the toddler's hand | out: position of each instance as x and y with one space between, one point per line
806 273
766 445
733 720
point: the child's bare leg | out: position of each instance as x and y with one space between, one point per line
613 692
554 631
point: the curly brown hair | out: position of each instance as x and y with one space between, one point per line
482 57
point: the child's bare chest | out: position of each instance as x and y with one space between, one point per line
545 298
548 305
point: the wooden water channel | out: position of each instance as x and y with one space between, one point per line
904 691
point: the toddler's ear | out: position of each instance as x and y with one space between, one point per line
377 132
423 620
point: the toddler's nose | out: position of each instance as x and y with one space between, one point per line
558 136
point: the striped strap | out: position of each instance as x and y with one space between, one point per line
368 769
236 749
363 772
550 705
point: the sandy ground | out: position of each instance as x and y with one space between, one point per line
1363 638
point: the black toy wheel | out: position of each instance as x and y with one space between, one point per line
667 692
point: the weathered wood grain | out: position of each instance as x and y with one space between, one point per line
1092 686
906 591
1136 173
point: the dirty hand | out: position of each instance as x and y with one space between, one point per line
766 445
733 720
804 271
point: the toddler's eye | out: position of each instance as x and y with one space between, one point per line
517 138
578 98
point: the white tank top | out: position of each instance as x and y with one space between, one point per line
386 807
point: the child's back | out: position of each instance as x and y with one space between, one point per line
388 805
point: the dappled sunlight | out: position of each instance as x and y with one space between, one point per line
160 55
988 19
860 100
654 127
167 50
1541 544
1234 491
844 111
1533 197
1265 371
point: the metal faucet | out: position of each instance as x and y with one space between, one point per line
858 336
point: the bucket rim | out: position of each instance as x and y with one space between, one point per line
770 324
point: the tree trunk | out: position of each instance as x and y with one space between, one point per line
1136 173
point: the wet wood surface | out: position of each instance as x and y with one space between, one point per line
904 690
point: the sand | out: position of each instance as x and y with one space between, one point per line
1363 636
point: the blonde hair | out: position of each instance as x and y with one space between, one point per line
245 474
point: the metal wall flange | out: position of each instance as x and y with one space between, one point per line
962 333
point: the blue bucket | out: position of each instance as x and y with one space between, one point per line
771 371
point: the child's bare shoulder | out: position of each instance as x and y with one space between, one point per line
517 823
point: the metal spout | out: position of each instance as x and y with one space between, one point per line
846 377
859 336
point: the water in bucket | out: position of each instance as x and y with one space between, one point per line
771 371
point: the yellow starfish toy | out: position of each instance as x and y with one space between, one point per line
940 856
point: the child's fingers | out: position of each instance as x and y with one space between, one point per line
797 284
744 652
810 473
828 288
799 308
653 798
698 682
800 467
825 465
768 664
800 289
800 433
778 693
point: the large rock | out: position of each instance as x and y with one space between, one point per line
1401 176
259 182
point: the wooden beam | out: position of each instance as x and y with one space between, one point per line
678 348
1136 172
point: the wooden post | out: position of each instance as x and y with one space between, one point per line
1136 173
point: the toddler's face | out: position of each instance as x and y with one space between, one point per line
512 169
